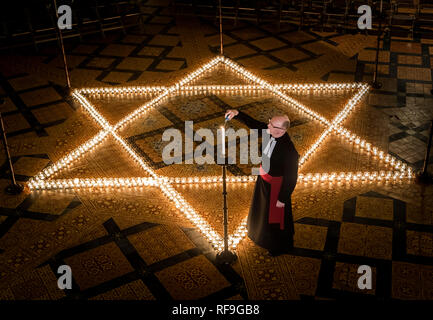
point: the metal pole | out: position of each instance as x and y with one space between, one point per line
226 256
424 176
65 63
221 31
375 84
14 188
225 207
427 154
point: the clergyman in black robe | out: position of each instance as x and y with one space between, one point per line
282 159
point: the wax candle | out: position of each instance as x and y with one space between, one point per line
223 141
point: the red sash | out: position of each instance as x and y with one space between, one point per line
276 215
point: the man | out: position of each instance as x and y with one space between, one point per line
270 220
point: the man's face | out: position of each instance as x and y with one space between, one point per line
275 127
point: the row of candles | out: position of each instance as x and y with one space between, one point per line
340 117
40 181
179 202
148 181
334 125
216 87
335 128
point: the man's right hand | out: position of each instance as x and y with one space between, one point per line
231 113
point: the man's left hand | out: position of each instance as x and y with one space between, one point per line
280 204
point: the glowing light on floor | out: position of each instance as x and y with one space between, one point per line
183 87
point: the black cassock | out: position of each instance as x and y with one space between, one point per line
283 163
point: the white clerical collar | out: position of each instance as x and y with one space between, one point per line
270 147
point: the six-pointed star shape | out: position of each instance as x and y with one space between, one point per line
43 181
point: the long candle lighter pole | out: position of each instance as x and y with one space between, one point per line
226 256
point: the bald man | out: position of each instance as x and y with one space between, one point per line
270 220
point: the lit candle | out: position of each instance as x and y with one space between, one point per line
223 141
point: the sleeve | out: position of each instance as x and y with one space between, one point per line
290 177
251 122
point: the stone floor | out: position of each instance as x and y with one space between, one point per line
134 244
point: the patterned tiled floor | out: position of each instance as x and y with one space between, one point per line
133 244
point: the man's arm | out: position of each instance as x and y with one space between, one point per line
249 121
290 177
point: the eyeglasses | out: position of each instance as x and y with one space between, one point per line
275 126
